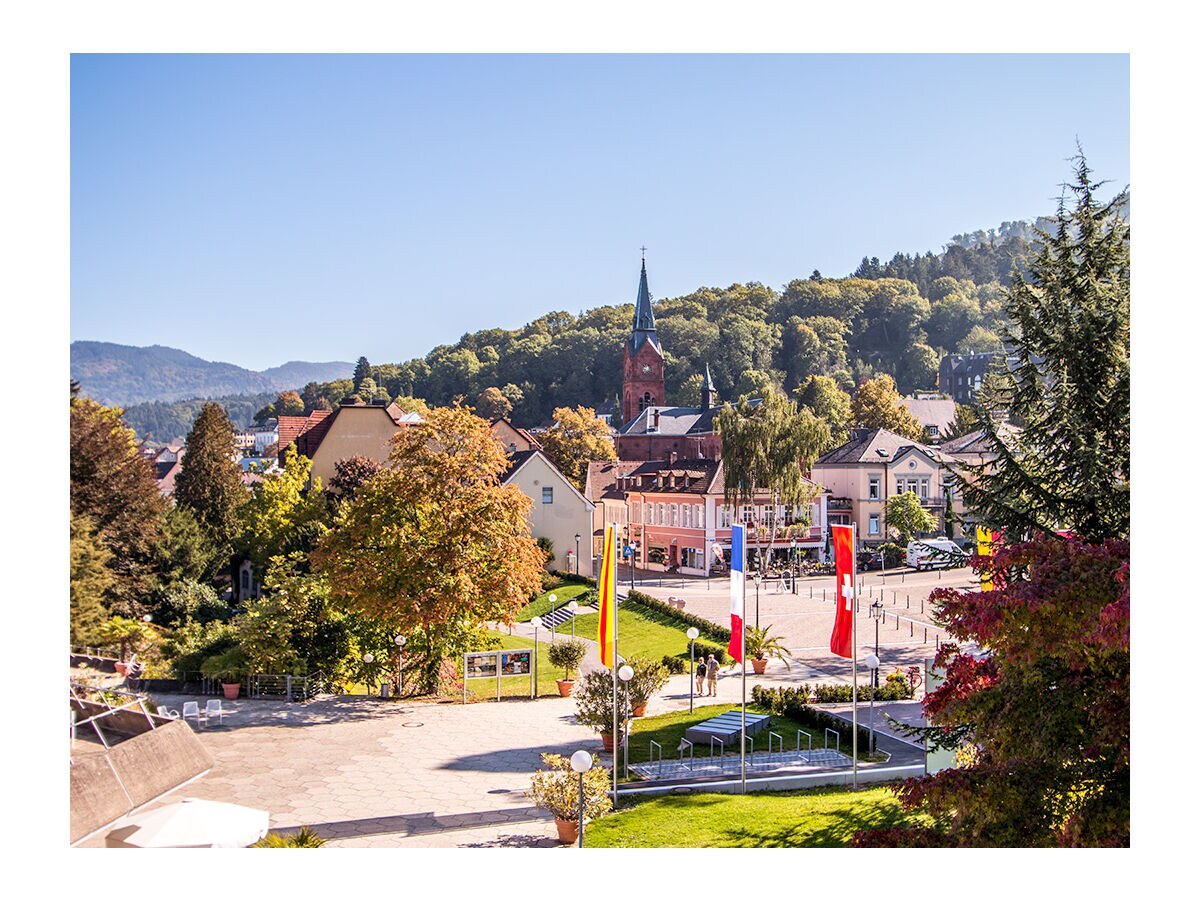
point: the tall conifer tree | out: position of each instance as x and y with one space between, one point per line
209 482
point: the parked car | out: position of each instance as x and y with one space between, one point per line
935 553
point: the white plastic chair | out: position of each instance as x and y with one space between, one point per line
211 708
168 713
191 708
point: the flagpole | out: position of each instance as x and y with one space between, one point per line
854 645
743 665
616 733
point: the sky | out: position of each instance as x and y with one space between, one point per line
259 209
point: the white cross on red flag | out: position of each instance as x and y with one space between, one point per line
841 642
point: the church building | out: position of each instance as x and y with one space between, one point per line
650 429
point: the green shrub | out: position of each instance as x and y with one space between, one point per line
676 665
792 703
705 627
703 648
648 678
567 655
305 837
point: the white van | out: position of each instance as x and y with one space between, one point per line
935 553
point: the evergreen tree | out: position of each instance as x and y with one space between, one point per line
209 482
362 369
91 578
1065 464
114 487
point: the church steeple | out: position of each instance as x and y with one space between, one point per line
643 315
708 394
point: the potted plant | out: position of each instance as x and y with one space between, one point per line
229 668
556 790
594 704
649 676
568 654
760 647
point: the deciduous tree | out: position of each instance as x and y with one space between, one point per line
492 404
769 447
352 473
576 438
435 544
821 396
283 514
904 515
877 404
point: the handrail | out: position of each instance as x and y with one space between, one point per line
828 732
771 743
801 731
691 753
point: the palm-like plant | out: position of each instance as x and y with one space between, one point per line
761 645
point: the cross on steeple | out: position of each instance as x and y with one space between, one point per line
643 254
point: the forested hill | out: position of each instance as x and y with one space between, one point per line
120 375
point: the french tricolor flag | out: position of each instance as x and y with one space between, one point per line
737 590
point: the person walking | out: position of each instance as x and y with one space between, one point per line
701 668
711 668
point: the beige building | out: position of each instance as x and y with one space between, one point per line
350 430
512 438
877 464
559 512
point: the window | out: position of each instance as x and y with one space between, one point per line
245 580
547 495
873 488
924 488
699 518
723 516
687 516
747 515
873 524
674 514
661 518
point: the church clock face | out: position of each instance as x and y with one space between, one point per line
646 369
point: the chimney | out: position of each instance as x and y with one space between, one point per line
656 415
671 457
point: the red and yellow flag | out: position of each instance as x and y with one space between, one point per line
606 636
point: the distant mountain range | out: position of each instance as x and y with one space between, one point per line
116 374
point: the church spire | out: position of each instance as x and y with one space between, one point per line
708 393
643 315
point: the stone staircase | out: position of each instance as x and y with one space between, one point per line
562 615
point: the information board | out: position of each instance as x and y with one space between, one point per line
497 664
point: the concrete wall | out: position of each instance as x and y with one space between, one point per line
107 785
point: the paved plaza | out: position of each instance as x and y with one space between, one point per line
364 772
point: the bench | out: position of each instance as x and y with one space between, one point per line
726 728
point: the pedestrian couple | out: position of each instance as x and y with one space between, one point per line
706 675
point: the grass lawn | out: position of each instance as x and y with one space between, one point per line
819 817
539 606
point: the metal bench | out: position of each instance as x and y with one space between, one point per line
726 728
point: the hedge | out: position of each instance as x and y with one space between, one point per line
705 627
792 703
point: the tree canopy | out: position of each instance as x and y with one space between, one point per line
1059 419
904 515
434 543
576 438
209 482
876 404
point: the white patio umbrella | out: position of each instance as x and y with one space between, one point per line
192 823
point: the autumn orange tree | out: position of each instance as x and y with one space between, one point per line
434 545
576 438
876 404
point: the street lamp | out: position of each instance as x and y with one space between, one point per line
883 457
553 598
692 634
872 663
757 584
625 673
578 536
368 658
401 640
795 548
572 607
876 614
581 762
536 622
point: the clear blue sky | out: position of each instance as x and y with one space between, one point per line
258 209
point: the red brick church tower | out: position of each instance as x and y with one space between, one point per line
643 383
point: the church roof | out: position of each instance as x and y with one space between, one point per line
643 318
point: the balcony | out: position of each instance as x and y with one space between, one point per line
840 503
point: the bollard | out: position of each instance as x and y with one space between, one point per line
922 605
908 601
937 641
926 640
910 627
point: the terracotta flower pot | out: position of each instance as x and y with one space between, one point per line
565 687
122 668
639 710
760 665
568 830
231 690
606 740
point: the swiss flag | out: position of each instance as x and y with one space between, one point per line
843 624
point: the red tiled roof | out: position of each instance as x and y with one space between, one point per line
291 427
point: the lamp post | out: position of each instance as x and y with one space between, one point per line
692 634
876 614
536 622
581 762
625 673
401 640
757 585
578 537
872 662
883 457
795 549
572 607
368 658
553 598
